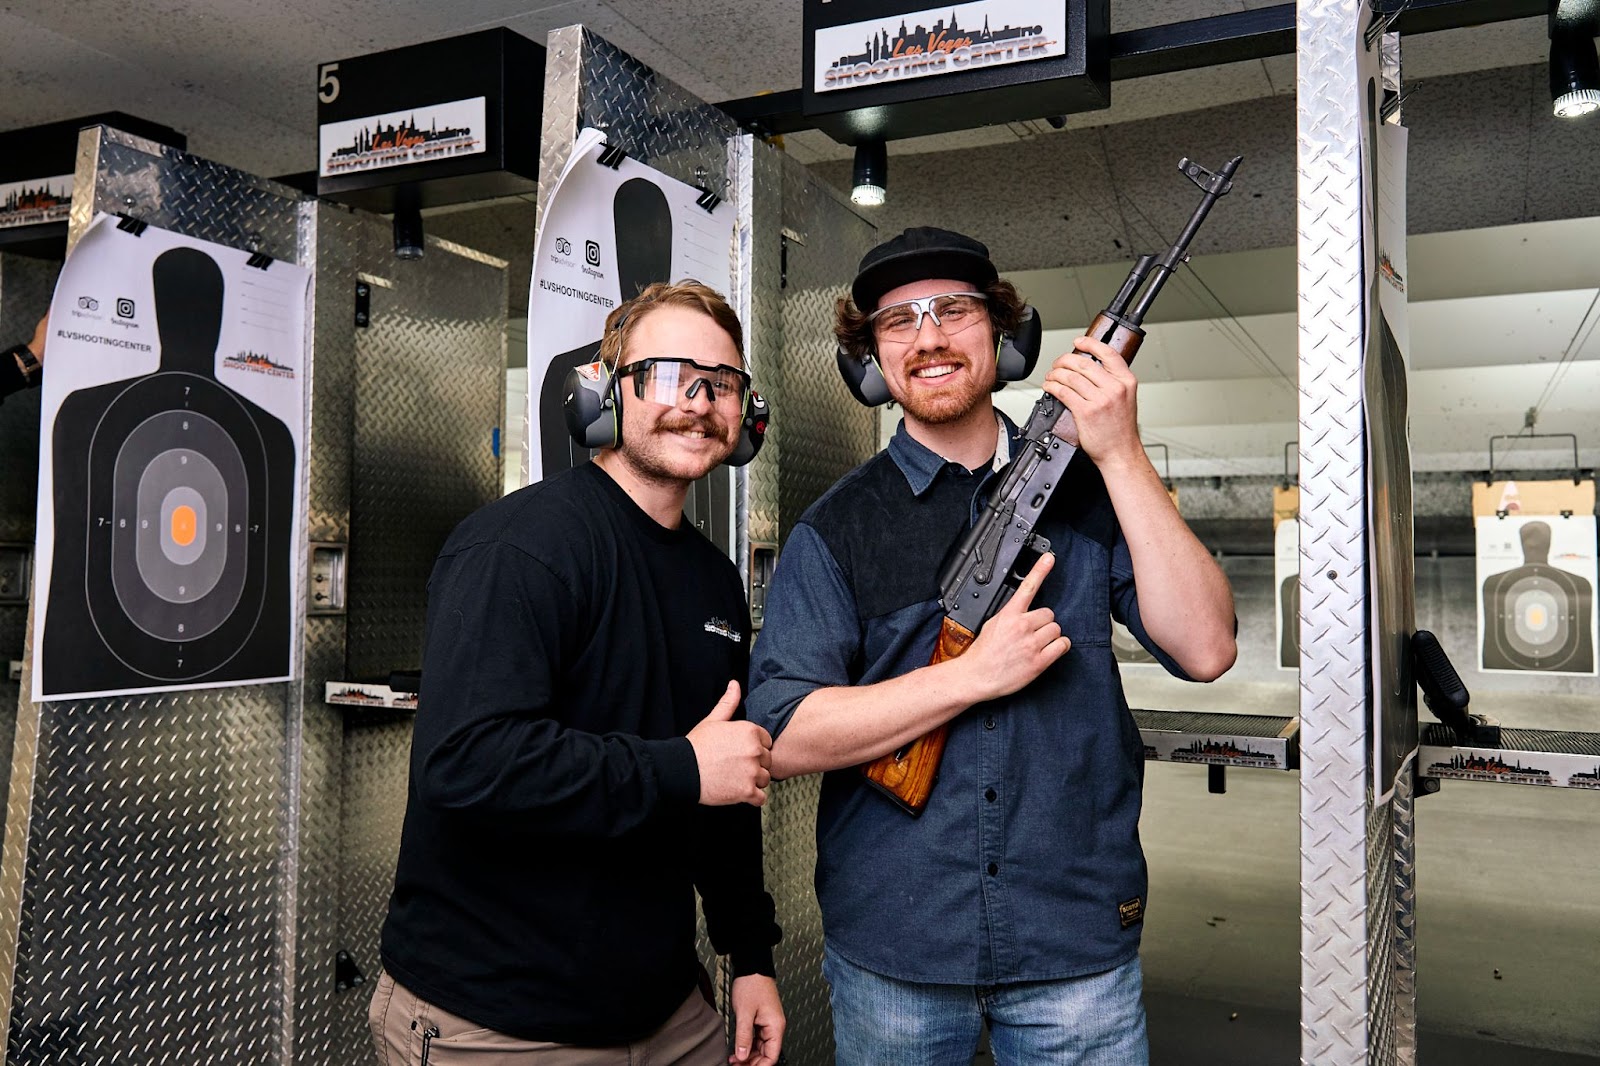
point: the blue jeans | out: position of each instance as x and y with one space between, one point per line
1096 1020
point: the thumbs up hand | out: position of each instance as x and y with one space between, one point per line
735 758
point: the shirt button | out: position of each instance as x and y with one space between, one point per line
988 723
994 868
990 795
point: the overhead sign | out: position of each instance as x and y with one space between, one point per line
28 203
443 122
893 69
416 135
934 41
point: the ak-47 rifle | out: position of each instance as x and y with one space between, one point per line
983 573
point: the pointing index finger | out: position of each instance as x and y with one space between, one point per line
1022 601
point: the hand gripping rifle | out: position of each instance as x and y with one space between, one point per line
997 552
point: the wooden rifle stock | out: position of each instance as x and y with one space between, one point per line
906 776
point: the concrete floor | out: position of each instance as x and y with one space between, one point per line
1508 894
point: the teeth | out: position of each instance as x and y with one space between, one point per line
933 371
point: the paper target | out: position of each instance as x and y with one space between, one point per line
1536 616
172 492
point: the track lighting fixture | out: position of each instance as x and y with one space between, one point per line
870 175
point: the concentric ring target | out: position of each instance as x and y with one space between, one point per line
1538 618
180 492
177 526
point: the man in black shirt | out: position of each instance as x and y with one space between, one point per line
569 791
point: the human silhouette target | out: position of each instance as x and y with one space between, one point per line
173 498
1536 616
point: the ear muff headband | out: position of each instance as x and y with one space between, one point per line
1015 355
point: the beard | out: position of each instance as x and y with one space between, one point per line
948 405
657 457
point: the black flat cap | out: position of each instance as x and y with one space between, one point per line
917 254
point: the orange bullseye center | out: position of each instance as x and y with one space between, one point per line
183 525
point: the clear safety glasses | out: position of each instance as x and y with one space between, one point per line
665 381
951 312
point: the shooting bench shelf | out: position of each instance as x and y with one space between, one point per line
1209 738
1544 757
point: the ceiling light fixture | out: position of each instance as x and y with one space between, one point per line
870 175
408 242
1574 69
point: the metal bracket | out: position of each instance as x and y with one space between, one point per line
1532 436
1382 21
346 974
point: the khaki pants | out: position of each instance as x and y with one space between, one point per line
402 1023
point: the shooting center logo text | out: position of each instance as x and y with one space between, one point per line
952 44
421 135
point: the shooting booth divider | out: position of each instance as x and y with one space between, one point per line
1357 871
795 249
200 875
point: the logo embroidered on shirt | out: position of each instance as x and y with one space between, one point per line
723 629
1131 912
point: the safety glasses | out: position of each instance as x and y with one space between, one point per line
950 311
667 380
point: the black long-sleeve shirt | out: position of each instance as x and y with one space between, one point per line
553 839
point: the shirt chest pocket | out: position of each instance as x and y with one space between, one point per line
1079 588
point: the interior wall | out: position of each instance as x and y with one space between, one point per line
1484 151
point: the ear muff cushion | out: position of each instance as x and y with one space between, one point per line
589 403
1018 351
752 429
863 378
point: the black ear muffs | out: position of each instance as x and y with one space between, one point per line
1018 351
752 430
589 400
863 378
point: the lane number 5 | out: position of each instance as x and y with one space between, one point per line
327 84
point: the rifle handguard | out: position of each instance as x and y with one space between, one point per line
907 776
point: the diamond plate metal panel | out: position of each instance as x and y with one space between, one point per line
320 1027
1405 919
430 388
402 416
828 433
1333 672
142 883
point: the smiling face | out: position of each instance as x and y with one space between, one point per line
682 441
936 377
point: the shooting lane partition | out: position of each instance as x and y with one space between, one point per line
198 876
796 244
1357 872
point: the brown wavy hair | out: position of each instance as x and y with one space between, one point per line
694 295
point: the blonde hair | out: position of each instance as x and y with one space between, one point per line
688 293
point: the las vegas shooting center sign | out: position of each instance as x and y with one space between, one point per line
902 68
944 40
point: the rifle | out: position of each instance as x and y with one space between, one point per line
996 553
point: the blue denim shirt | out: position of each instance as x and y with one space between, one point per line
1026 863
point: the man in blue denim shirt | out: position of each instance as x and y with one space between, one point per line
1016 898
